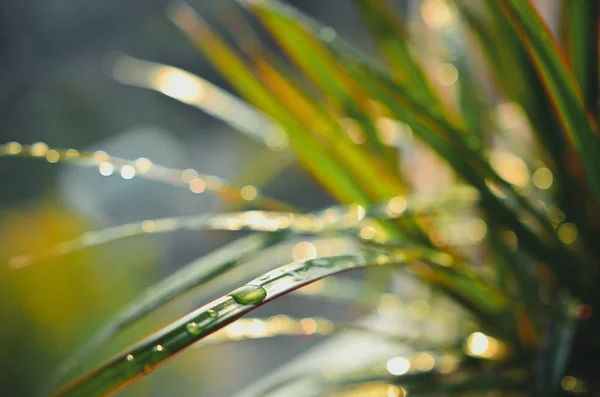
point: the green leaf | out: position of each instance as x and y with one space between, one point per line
430 124
142 168
322 69
507 56
390 35
554 356
200 93
204 321
561 88
156 349
309 151
580 38
198 272
345 220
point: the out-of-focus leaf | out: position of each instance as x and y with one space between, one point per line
390 35
580 39
561 88
557 347
323 70
309 151
337 219
474 109
423 126
430 124
507 56
351 156
198 92
142 168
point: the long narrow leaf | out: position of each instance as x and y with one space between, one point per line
190 276
142 168
580 38
337 219
204 321
309 152
561 87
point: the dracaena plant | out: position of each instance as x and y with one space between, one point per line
511 238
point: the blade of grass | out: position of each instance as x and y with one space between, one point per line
507 55
449 143
389 31
155 350
352 157
580 38
333 177
188 277
561 88
336 219
374 80
304 109
473 106
323 70
537 246
323 67
142 168
432 118
199 93
195 91
557 347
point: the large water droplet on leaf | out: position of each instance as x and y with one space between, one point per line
249 295
193 328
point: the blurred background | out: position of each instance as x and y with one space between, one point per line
56 87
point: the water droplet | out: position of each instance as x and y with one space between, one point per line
264 277
130 357
212 314
193 328
249 295
158 348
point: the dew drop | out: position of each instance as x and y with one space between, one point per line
130 357
212 314
249 295
193 328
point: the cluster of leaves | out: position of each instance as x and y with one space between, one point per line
535 292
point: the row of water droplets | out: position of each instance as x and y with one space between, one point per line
266 287
109 165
